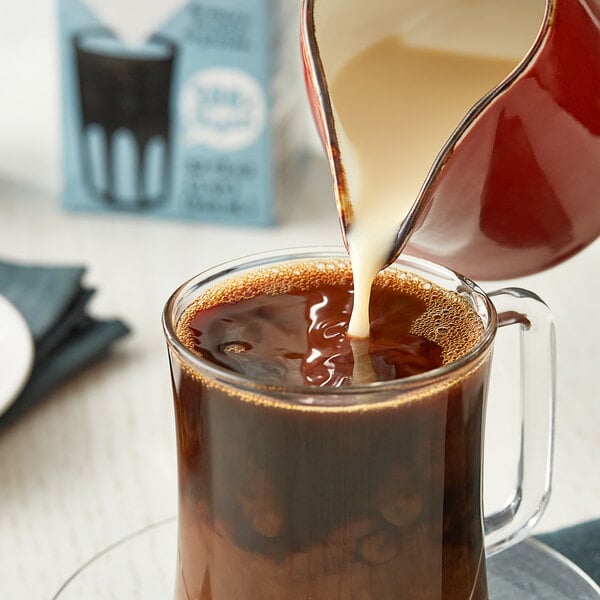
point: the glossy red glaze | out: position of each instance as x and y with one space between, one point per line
520 192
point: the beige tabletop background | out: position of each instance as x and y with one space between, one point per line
96 459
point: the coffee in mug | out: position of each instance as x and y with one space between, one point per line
314 465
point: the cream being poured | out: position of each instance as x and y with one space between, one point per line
395 105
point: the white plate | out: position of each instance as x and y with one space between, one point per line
16 353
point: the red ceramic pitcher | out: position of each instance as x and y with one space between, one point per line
516 187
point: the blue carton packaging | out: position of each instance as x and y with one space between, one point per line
173 108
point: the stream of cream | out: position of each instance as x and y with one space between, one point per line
396 106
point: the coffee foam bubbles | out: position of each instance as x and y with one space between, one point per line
448 320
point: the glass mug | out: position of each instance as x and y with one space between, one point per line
366 492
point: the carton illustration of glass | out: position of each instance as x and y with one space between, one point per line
124 94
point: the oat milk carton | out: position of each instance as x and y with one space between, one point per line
181 108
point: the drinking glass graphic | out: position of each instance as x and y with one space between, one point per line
125 130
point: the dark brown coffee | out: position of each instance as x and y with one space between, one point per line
291 501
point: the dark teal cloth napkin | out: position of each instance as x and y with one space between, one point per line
54 303
580 544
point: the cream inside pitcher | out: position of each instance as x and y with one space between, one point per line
441 58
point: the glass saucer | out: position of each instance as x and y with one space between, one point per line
141 566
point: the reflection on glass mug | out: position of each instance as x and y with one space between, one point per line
125 128
361 485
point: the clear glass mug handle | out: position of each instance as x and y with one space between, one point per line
516 306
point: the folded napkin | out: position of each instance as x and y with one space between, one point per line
53 302
580 544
